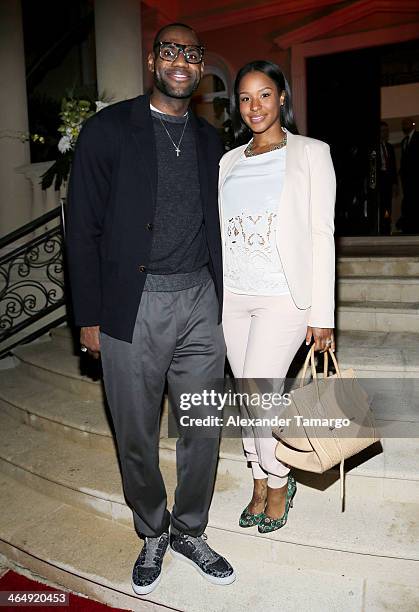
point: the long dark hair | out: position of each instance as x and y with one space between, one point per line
274 72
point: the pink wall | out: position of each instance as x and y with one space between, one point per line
239 44
250 41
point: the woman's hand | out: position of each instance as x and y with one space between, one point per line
323 338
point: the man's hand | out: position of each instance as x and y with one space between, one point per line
323 338
89 337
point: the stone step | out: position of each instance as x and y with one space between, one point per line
59 412
96 556
379 351
378 316
66 337
54 409
407 242
89 479
51 363
82 476
46 406
378 289
371 353
33 328
377 266
379 354
370 470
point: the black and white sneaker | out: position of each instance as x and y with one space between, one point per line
196 552
146 573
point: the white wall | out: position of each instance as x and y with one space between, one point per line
400 101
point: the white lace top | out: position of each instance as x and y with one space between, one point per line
251 196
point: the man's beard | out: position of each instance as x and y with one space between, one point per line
173 92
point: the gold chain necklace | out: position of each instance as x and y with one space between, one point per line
279 145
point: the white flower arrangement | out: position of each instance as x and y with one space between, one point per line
64 144
74 113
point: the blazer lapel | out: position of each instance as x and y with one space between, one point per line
143 133
228 163
291 162
202 156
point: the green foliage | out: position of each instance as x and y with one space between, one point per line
74 112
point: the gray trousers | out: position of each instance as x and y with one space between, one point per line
176 336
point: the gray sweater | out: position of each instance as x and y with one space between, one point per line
179 244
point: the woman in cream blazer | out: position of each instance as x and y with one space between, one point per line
276 197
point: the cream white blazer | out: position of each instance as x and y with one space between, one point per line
305 224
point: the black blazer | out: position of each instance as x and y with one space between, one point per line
111 204
391 163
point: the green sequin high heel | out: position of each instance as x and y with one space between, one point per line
248 519
267 524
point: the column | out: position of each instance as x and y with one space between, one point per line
118 48
15 196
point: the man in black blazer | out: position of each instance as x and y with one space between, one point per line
145 265
409 176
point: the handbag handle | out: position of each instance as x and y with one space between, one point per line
326 363
310 359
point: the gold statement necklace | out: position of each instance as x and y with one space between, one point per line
279 145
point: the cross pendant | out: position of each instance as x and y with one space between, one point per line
177 151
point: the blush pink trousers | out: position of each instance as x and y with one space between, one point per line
263 334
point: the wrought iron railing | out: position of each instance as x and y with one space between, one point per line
31 280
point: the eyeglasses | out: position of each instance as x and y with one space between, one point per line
169 51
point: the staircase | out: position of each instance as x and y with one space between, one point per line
378 294
63 515
378 315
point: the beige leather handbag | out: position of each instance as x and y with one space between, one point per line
314 439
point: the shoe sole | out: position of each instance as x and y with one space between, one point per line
145 589
223 581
